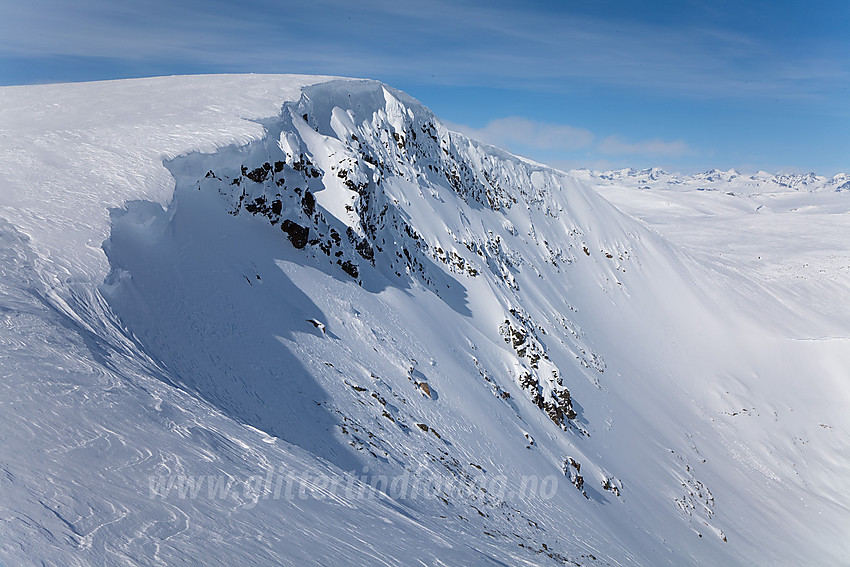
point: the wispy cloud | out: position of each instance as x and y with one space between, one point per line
566 146
469 43
516 132
615 145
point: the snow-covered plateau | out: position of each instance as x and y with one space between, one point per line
291 320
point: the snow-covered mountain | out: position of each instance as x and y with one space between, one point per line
731 181
254 320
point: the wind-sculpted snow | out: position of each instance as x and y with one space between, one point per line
342 334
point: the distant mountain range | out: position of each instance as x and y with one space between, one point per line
717 180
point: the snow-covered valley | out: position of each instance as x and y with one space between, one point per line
280 320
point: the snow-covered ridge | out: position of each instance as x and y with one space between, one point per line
341 284
379 182
71 151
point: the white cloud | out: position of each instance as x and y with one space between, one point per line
516 132
569 147
617 146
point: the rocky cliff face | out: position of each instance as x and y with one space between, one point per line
358 175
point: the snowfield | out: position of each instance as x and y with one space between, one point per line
287 320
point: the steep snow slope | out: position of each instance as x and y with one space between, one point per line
787 231
341 292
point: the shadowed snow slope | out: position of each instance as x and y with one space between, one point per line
295 320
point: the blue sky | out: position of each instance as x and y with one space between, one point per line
683 85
